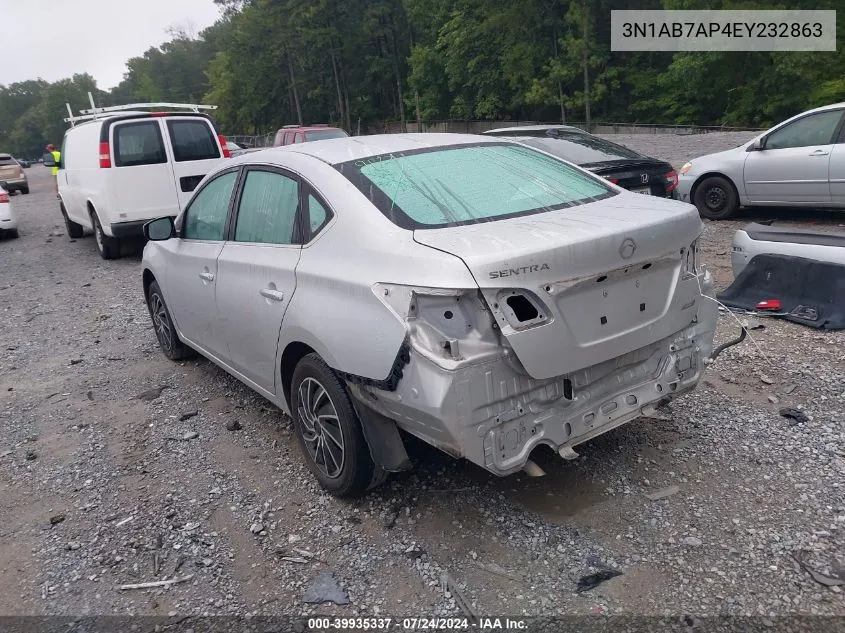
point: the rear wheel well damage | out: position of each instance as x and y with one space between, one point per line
381 433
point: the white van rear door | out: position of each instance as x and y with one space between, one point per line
196 151
140 179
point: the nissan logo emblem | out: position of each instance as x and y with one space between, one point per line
627 249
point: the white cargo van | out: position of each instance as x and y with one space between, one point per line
122 166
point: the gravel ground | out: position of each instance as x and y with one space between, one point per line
118 466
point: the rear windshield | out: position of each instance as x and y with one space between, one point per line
466 184
582 149
7 160
138 144
192 140
324 134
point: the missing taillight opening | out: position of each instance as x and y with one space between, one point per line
522 308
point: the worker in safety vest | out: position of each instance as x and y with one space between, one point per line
57 156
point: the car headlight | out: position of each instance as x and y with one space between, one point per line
685 168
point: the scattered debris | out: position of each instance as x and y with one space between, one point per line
294 559
123 522
790 389
90 395
693 541
822 579
256 528
773 399
31 455
451 587
188 415
233 425
766 380
498 570
663 493
795 416
73 546
156 583
293 538
151 394
75 361
591 581
324 588
190 435
55 520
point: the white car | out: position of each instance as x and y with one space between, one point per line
122 166
8 220
482 295
798 163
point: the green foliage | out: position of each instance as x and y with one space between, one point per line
267 63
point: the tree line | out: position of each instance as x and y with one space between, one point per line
356 63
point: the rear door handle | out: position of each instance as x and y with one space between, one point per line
819 152
273 295
207 276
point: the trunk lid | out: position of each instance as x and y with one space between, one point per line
575 287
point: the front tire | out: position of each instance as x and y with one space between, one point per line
74 230
716 198
107 247
329 431
168 339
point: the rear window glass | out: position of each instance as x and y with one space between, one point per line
451 186
138 144
583 149
7 160
324 134
192 140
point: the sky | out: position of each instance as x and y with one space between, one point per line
53 39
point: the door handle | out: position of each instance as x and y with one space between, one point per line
819 152
207 276
273 295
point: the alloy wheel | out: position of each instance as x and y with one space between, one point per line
161 322
320 428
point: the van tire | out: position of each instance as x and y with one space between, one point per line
107 247
25 190
74 230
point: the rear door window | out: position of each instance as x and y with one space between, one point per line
268 209
192 139
138 144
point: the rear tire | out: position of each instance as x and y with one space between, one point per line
107 247
716 198
74 230
329 431
13 234
169 341
25 190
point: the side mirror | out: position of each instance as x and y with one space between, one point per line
48 160
159 230
757 145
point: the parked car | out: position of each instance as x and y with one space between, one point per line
8 220
290 134
797 163
125 167
26 164
479 294
618 164
13 174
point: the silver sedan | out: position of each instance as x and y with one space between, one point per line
798 163
484 296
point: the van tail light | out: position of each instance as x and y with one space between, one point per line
4 197
671 181
105 156
612 180
224 146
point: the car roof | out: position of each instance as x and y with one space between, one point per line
2 155
339 150
307 128
535 128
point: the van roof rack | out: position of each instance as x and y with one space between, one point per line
94 112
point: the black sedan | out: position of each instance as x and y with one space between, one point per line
618 164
